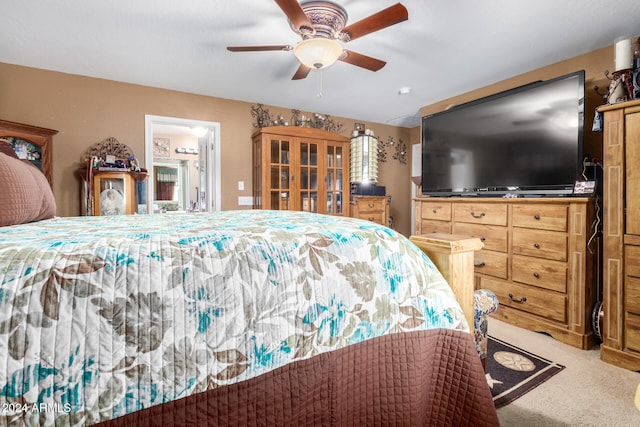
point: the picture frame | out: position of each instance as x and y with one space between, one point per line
161 147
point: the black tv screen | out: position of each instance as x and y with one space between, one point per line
525 140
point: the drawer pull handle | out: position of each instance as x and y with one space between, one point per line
482 239
477 216
434 211
536 245
536 216
371 205
370 218
519 301
479 265
536 275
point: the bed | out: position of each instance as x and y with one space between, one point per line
229 318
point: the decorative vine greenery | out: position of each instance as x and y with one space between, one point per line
264 118
399 154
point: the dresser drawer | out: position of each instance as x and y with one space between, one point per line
377 217
541 302
491 263
366 204
494 237
545 274
541 217
632 294
480 213
440 211
540 243
427 226
632 260
632 331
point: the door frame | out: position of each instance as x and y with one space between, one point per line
213 171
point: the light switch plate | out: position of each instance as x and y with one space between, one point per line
245 201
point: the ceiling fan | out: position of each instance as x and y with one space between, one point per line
322 24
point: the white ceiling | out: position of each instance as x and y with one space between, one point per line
447 47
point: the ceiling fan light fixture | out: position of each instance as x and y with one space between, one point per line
318 52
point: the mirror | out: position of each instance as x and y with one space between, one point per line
172 183
183 160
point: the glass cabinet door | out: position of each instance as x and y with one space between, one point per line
309 170
335 188
280 174
113 194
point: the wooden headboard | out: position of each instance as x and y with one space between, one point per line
22 135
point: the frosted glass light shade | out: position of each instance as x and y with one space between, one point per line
363 159
318 52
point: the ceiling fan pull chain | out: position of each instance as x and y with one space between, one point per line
319 89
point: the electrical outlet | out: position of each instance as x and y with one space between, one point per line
240 185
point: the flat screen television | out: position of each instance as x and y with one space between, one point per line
524 141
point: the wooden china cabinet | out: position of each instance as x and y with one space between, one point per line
32 143
301 169
621 235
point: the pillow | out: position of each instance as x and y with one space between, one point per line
26 195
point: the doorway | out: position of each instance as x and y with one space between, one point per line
183 157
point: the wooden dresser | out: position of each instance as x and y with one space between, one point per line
535 258
621 235
371 208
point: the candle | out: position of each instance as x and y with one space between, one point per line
623 54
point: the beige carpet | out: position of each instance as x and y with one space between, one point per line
588 392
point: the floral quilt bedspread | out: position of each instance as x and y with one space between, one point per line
104 316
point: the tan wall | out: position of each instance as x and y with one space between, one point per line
87 110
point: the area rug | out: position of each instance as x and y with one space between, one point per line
512 371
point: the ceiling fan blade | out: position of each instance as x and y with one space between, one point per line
294 12
385 18
364 61
301 73
284 47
